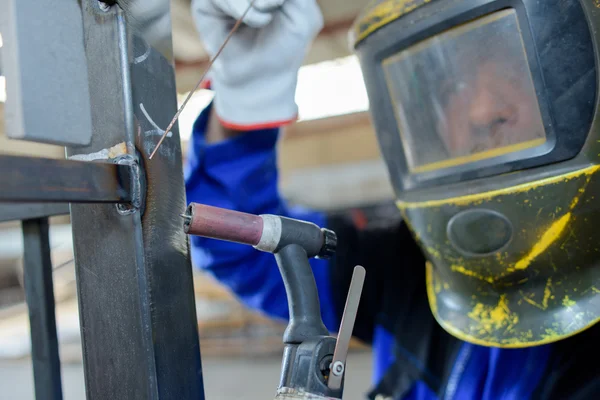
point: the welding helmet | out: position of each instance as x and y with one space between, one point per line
486 116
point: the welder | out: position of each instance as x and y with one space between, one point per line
488 286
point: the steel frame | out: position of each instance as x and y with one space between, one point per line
39 294
134 276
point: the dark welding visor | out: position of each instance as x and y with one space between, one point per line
486 112
465 95
464 91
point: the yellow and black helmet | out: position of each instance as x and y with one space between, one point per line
486 112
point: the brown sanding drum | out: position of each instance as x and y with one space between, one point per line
264 232
223 224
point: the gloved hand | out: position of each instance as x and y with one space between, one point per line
255 76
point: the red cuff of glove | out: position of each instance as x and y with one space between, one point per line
255 127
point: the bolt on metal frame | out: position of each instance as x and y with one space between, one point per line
134 276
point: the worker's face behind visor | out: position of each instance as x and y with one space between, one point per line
465 95
485 119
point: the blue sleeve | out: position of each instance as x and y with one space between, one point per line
241 174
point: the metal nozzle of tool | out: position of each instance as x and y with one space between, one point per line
313 361
269 233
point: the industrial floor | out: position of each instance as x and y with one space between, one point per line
225 378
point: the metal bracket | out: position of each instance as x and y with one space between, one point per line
48 97
45 180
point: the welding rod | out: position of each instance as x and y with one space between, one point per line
269 233
236 26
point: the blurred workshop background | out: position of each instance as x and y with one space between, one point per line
329 159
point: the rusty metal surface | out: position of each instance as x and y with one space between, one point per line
32 179
135 288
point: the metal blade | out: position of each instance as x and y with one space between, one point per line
338 364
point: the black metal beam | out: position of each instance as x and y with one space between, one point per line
31 179
18 212
39 295
134 277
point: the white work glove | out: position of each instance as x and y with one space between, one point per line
255 76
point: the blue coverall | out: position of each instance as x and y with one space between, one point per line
241 174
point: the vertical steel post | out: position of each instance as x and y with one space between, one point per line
134 278
39 295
